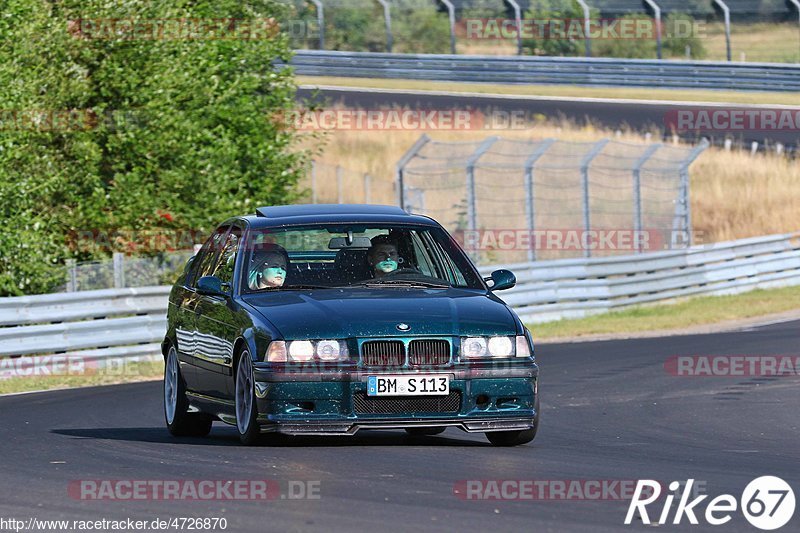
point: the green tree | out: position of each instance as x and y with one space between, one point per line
169 134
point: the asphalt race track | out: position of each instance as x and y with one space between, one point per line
610 412
637 115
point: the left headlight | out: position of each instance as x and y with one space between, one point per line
303 351
497 346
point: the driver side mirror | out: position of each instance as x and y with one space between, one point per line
212 286
501 279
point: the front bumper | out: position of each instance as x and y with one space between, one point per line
325 403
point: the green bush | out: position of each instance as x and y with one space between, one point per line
680 32
550 46
628 48
171 134
419 28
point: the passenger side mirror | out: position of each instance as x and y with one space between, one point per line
212 286
501 279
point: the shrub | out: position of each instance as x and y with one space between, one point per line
175 134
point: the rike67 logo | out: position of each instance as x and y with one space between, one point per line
767 503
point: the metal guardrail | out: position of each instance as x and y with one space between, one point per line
551 70
99 328
130 323
573 288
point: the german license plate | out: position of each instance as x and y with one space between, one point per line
408 385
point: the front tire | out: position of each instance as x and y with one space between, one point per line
246 409
511 438
180 422
516 438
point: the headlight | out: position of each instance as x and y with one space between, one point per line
302 351
473 347
498 346
501 346
330 350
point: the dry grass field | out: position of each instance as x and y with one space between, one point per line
733 194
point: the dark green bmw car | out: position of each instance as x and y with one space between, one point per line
330 319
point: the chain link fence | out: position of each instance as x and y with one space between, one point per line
125 271
512 201
506 200
335 184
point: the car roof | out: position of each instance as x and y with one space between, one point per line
303 214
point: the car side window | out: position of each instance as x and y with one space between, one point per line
227 258
206 258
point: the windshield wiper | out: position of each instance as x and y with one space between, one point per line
304 286
399 283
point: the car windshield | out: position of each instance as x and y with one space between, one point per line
349 256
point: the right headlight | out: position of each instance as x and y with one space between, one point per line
494 347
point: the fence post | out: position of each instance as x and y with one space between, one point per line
401 168
796 4
313 182
367 189
529 196
586 22
726 12
587 221
657 15
451 13
320 22
339 178
683 210
387 17
518 18
637 193
72 275
119 270
472 213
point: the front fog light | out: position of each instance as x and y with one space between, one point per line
501 347
473 347
301 351
330 350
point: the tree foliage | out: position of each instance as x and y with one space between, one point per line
166 134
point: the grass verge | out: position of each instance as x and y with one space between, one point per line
703 310
141 371
624 93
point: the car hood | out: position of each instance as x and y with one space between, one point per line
335 313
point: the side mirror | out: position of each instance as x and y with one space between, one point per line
501 280
211 286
